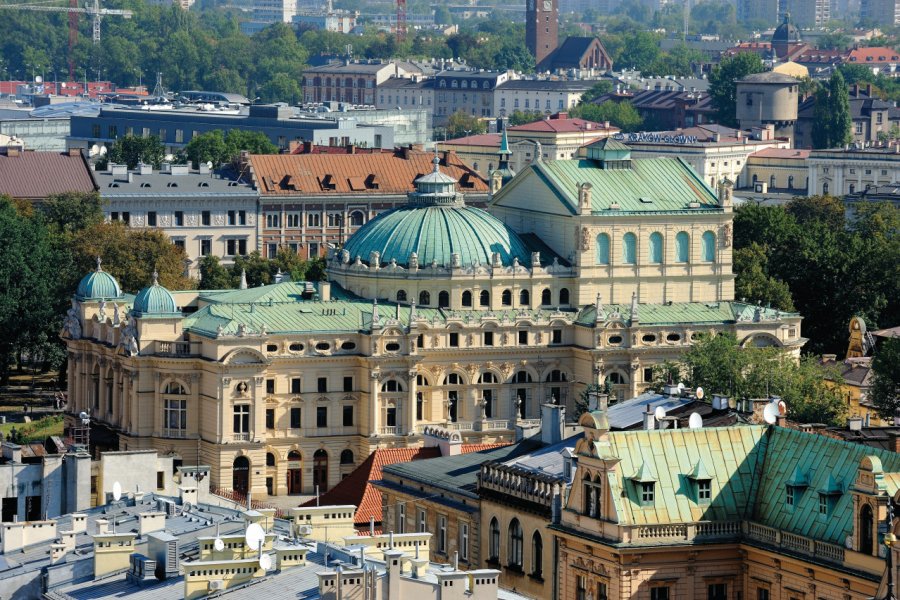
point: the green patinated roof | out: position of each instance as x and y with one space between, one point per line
684 312
155 301
750 468
98 285
436 232
650 185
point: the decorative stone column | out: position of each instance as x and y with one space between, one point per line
373 402
409 422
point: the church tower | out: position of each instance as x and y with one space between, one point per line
541 28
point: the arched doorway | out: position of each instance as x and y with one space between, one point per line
240 475
866 537
320 470
294 473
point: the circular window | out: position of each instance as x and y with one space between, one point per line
323 346
615 339
271 347
348 346
673 337
648 338
696 337
392 347
295 347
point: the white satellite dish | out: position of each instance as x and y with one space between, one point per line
169 157
219 545
659 413
209 164
680 387
699 393
695 421
265 562
94 151
117 491
254 536
770 413
103 150
38 79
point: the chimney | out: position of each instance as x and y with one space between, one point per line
553 418
649 419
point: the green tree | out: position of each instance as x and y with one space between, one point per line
722 86
206 147
519 117
132 150
821 133
214 276
810 391
73 211
461 123
604 86
621 114
885 389
841 122
753 281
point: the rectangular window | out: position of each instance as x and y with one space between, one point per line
205 218
647 493
162 135
295 417
823 504
114 216
348 384
717 591
242 418
232 217
648 374
242 217
423 523
151 219
464 541
442 534
179 243
113 132
488 338
176 415
556 336
659 593
145 132
230 247
704 490
205 247
270 386
179 136
272 250
580 587
602 592
270 418
762 594
523 338
95 131
321 416
322 385
179 218
789 496
454 340
293 220
313 220
160 480
348 416
295 385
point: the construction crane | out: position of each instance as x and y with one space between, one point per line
91 9
401 20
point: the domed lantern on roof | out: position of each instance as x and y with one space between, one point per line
98 285
155 301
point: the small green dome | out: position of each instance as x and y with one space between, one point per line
155 301
98 285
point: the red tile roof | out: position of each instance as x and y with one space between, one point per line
561 123
357 489
341 174
36 175
482 139
873 55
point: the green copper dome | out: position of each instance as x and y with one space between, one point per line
98 285
436 225
155 301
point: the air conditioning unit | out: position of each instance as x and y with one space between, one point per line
304 530
216 585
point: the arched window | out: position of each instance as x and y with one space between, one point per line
401 295
629 249
656 248
866 528
270 459
175 388
546 299
709 246
444 299
524 298
424 298
506 298
682 245
537 555
616 378
240 475
825 188
391 385
484 299
556 375
494 544
467 298
320 470
347 457
564 297
772 181
603 249
586 495
514 554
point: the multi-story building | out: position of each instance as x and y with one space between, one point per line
764 11
884 13
538 95
435 313
871 119
406 93
266 12
807 13
204 212
469 91
768 99
580 54
312 202
541 28
853 170
777 169
557 136
352 81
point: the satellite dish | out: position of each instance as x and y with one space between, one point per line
695 421
254 536
94 151
219 545
680 387
209 164
83 415
186 507
117 491
38 79
700 393
770 413
265 562
169 157
103 150
659 413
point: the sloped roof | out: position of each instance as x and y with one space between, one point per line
713 313
569 53
561 123
873 55
795 153
334 174
491 140
36 175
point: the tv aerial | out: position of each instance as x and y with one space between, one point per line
695 421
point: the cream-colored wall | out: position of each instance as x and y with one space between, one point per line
525 582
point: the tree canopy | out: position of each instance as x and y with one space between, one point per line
722 86
885 389
218 148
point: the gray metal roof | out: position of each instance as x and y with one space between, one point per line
158 183
538 85
627 414
547 460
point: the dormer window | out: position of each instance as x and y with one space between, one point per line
824 504
647 493
704 490
644 481
828 496
789 498
702 483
